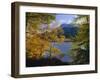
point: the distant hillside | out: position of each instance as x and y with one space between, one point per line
69 30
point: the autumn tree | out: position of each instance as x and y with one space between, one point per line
39 40
54 36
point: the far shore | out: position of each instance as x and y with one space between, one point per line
66 40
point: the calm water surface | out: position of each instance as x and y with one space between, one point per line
64 47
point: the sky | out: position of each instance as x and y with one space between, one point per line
61 19
65 18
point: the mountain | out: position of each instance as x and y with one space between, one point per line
70 30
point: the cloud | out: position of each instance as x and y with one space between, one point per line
69 21
54 24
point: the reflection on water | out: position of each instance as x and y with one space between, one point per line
64 48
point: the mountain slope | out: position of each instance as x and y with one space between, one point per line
69 30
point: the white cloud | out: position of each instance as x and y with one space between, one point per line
69 21
54 24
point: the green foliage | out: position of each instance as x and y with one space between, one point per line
39 18
80 48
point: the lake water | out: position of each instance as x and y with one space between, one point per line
64 48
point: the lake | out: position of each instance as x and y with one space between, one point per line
57 60
64 47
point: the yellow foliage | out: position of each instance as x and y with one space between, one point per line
36 46
38 43
61 39
55 51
